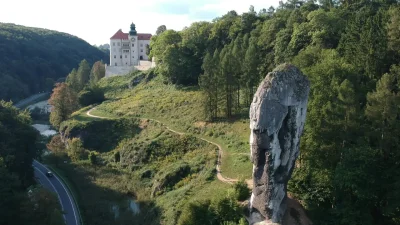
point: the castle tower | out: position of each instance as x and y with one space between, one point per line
133 38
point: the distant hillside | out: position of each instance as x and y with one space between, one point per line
31 59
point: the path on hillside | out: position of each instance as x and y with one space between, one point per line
220 150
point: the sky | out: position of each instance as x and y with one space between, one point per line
96 21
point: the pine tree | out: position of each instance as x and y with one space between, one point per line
205 83
237 68
250 74
98 71
83 75
72 80
383 111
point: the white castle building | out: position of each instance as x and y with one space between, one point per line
127 50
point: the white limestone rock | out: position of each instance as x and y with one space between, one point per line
277 117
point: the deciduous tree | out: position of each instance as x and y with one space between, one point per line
64 102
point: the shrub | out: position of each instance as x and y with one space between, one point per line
242 192
91 95
197 213
117 156
93 158
75 149
226 209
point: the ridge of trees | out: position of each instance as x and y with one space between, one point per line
33 59
79 89
21 201
348 170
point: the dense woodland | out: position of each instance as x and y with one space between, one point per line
22 202
348 171
33 59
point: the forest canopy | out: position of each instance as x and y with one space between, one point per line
33 59
348 169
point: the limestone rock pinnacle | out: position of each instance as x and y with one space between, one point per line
277 117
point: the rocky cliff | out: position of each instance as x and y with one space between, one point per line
277 117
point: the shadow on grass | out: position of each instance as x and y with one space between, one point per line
102 205
102 134
187 88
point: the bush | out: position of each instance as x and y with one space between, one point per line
117 157
242 192
93 157
75 149
197 213
91 95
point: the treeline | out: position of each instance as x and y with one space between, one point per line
33 59
348 170
22 202
79 89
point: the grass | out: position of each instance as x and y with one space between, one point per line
161 170
151 171
180 109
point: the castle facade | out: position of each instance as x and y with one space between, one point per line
128 49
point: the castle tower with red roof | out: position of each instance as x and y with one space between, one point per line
128 49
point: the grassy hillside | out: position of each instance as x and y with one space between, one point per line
181 109
160 170
140 158
32 58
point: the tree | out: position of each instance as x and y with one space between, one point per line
98 71
161 29
72 80
394 29
250 74
75 149
83 75
18 147
57 147
242 192
18 141
64 102
46 207
382 110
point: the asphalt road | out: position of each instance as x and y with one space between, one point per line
30 99
54 184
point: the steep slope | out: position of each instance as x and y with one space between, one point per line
31 59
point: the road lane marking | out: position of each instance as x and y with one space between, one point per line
55 190
72 204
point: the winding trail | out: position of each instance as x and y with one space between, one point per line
220 150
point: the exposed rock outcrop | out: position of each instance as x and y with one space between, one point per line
277 117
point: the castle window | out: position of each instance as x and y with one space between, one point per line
126 51
113 43
141 45
115 56
126 56
133 45
115 64
141 50
120 56
118 44
133 56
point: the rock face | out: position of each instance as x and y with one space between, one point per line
277 117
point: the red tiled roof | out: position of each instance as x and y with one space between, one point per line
125 36
144 36
120 35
